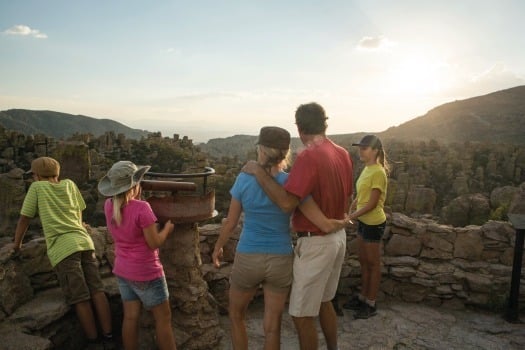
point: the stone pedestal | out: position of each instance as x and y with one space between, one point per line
195 319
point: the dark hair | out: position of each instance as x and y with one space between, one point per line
311 119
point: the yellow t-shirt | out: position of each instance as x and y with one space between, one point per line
372 176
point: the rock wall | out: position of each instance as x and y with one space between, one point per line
33 312
34 315
423 261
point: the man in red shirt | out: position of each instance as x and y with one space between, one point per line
324 171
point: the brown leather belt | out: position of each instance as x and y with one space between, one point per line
309 234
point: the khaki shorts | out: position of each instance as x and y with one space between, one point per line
316 270
78 276
273 271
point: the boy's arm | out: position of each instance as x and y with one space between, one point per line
21 229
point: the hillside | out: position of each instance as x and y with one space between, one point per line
232 146
62 125
498 117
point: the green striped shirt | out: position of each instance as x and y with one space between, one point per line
59 206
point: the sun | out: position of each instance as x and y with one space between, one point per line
417 75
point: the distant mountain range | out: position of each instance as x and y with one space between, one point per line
498 117
62 125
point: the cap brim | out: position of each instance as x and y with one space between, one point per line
29 172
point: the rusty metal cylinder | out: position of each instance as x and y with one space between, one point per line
169 186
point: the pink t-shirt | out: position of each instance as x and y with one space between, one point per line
134 259
325 171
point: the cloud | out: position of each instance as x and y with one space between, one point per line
24 30
173 51
498 72
495 78
374 43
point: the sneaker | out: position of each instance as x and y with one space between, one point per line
109 343
365 311
353 304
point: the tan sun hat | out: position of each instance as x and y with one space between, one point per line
122 176
45 167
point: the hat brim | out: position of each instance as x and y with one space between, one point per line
105 188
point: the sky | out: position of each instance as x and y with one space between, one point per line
208 69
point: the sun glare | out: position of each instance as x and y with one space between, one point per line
417 76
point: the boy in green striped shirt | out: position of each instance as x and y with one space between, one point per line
69 247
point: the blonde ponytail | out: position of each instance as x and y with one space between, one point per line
119 201
276 156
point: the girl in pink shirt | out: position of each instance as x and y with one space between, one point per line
137 266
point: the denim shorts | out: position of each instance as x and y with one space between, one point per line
370 233
150 293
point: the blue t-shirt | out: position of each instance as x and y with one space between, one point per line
266 227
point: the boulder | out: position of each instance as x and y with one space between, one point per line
502 196
15 287
517 204
471 209
14 338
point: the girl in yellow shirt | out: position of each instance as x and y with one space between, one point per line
368 210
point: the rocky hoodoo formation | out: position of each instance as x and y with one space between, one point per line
428 178
85 159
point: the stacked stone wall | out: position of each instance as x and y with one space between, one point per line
422 261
